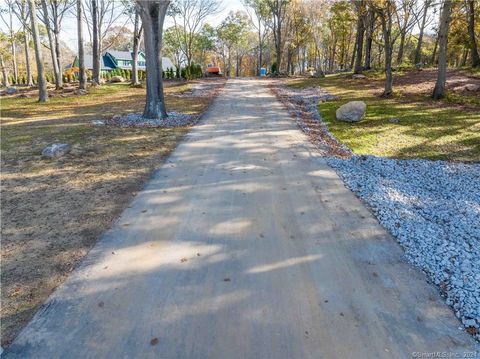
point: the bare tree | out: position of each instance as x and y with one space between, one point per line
137 34
471 33
42 84
361 14
386 12
82 77
22 12
257 11
153 16
405 22
439 90
369 29
95 44
8 21
190 15
278 15
422 24
101 16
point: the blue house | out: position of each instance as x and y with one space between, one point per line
112 59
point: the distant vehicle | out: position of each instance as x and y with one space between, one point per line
213 70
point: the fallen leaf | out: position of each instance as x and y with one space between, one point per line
101 304
154 341
183 260
226 280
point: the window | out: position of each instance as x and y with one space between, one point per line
141 63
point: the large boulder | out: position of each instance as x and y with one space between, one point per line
117 79
56 150
472 87
11 90
352 111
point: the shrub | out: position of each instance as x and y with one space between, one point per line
274 68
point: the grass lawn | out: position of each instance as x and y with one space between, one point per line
54 210
448 129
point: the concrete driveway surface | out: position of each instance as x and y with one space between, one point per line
245 244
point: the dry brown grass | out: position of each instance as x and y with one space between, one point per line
54 210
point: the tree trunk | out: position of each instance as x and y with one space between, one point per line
14 60
354 51
27 59
369 39
56 71
137 33
471 33
386 19
401 47
439 90
463 61
82 76
418 50
42 85
4 72
260 47
56 38
153 16
359 40
95 44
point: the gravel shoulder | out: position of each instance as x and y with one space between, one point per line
432 208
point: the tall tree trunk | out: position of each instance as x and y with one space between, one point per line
354 51
360 32
260 47
42 84
463 61
401 47
386 20
153 16
95 44
418 50
14 59
82 76
56 38
27 58
137 33
471 33
56 71
439 90
369 39
4 72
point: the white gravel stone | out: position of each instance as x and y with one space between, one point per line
174 119
433 209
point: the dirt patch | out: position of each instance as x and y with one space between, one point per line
53 211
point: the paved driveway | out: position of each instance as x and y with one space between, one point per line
244 245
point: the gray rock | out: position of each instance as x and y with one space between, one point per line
470 323
472 87
117 79
359 76
56 150
98 122
11 90
393 120
80 92
352 111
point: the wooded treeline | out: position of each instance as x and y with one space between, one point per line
287 37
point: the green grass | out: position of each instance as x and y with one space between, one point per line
449 129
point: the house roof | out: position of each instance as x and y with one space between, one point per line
88 60
120 55
107 63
